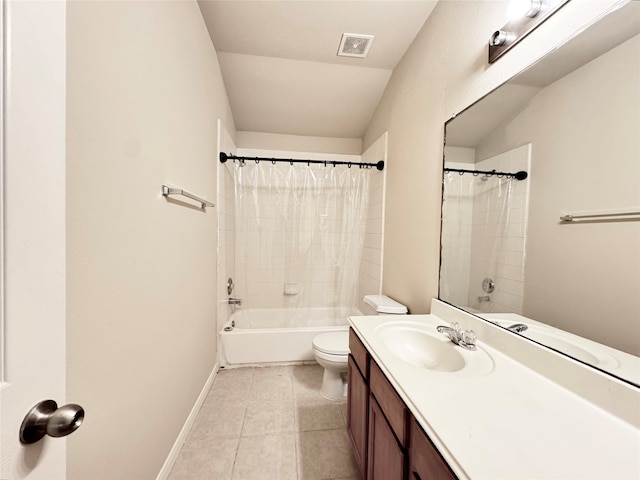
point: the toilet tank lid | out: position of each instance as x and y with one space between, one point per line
384 304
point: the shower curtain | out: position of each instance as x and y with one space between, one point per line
475 223
300 233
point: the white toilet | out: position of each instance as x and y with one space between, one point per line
331 350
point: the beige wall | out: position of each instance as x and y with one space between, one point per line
585 159
144 95
299 143
444 70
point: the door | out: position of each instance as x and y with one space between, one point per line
32 328
386 459
358 414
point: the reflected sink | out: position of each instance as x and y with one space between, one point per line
580 349
421 346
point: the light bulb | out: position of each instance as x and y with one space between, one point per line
523 8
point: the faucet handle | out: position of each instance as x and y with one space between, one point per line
468 339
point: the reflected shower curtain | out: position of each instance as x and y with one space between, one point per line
300 232
475 222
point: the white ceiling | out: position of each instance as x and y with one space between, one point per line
281 71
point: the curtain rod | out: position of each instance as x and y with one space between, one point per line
521 175
224 157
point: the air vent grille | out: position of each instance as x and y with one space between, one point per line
355 45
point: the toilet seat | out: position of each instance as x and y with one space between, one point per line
333 343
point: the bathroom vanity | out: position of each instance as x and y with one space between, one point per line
385 436
420 407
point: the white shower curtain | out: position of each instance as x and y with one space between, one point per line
300 232
475 221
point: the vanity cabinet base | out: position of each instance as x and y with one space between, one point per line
388 443
425 462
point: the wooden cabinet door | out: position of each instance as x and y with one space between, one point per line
358 415
425 463
386 459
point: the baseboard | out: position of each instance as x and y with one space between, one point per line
184 433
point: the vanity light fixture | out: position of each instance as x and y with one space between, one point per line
525 16
524 8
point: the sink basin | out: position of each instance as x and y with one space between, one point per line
422 347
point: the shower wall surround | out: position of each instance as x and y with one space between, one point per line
278 281
225 204
278 257
370 278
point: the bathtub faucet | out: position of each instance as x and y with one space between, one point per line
235 301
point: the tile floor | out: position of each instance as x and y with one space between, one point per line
268 423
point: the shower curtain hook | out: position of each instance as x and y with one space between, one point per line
273 161
291 163
349 164
257 161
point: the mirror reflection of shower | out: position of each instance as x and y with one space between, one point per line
484 230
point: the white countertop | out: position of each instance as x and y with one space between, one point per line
510 423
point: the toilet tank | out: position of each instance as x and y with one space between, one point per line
383 305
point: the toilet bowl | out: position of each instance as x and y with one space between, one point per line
331 350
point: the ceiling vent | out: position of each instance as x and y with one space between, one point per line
355 45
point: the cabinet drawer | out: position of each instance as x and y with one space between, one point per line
359 353
391 404
424 460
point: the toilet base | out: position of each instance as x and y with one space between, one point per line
334 386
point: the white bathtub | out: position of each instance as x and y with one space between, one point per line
270 335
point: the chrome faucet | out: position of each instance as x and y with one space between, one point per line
463 338
486 298
517 327
235 301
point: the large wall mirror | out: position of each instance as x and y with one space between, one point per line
572 122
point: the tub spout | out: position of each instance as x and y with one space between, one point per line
235 301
